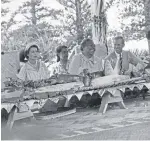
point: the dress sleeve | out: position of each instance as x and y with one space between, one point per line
75 65
22 75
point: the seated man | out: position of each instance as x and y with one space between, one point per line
120 60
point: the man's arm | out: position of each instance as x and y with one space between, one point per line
134 60
138 63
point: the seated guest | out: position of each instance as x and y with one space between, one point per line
120 60
33 69
61 67
86 59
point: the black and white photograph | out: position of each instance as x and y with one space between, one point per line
75 70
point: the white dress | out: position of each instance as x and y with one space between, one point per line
27 72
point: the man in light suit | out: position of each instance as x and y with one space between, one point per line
118 62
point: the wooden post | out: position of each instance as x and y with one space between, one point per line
147 19
99 26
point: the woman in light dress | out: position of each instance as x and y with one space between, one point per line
62 64
60 67
86 59
33 69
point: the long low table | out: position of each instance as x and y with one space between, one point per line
109 95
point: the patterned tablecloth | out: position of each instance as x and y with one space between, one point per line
45 91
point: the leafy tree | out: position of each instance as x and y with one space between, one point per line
4 11
138 13
34 29
34 12
78 19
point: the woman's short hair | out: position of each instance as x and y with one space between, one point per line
148 35
28 47
86 42
58 50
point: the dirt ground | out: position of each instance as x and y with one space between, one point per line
83 121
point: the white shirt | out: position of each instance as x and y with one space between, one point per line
118 55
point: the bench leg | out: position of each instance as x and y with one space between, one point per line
122 105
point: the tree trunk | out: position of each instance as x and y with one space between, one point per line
33 12
79 25
147 18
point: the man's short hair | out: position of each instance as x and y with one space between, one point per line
148 35
120 37
85 42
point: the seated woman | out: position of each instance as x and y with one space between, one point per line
86 59
61 67
33 69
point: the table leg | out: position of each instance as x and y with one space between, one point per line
10 121
104 103
107 98
67 104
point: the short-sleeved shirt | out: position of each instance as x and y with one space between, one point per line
57 68
80 62
27 72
